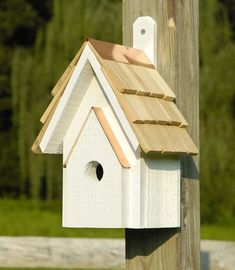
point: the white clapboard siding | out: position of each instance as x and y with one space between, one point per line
132 186
88 202
160 188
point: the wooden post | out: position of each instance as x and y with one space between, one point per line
177 61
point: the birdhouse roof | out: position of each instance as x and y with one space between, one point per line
146 100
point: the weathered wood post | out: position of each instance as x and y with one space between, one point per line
177 61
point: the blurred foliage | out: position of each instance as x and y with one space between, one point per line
217 114
19 22
228 6
40 42
218 232
55 46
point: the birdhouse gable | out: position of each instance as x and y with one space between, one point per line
86 75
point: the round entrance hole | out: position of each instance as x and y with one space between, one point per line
94 170
99 172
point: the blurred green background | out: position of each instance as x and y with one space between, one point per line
37 41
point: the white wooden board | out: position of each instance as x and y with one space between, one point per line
160 186
88 202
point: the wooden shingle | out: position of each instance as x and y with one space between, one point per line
164 139
175 116
138 80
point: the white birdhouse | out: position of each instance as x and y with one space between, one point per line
114 119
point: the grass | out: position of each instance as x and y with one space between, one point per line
31 218
218 232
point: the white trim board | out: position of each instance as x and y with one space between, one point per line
50 142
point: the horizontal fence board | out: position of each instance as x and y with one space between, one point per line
61 252
90 253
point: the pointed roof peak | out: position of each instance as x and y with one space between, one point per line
141 98
119 53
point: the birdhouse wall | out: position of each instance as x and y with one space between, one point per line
92 198
160 192
132 186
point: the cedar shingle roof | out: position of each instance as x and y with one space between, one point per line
146 99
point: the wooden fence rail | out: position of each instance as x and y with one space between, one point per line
61 252
94 253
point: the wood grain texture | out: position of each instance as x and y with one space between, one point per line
61 253
139 80
146 114
119 53
151 249
164 139
93 253
187 91
177 54
145 109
